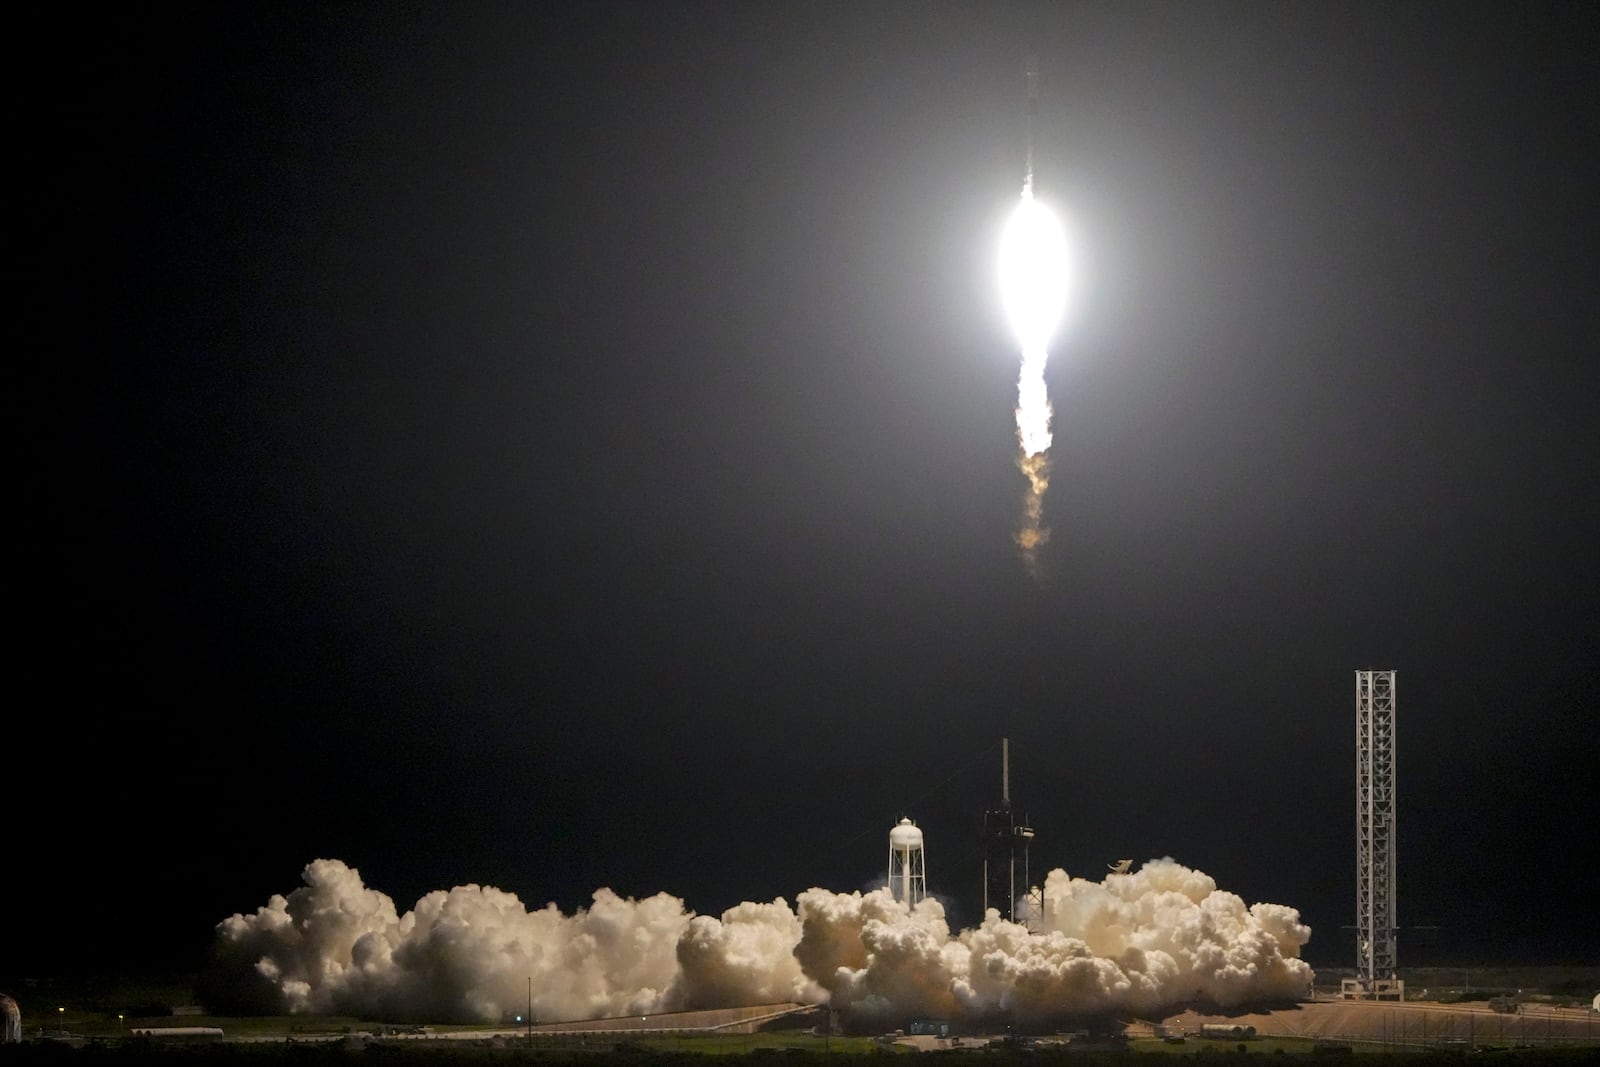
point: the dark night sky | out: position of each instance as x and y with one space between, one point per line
571 448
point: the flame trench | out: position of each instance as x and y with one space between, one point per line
1033 277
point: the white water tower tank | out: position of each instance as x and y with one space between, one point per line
908 864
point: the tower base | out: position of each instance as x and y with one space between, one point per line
1377 989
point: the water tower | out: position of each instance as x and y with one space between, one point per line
908 865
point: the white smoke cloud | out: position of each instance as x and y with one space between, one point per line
1134 943
1139 942
335 946
746 957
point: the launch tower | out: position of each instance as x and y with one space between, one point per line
1005 848
1376 957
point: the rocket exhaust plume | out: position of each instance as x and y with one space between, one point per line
1034 273
1033 276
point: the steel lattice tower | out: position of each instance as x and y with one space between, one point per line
1376 957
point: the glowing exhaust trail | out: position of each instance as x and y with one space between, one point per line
1033 289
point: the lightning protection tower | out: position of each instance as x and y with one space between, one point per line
1376 957
1005 848
908 863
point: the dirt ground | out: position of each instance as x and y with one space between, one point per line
1393 1024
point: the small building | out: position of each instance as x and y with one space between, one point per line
930 1027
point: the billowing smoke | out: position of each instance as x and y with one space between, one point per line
334 946
1135 943
746 957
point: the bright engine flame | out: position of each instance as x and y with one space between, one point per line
1034 273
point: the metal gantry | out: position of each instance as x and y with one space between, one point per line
1006 886
1376 956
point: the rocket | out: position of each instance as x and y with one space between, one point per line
1033 115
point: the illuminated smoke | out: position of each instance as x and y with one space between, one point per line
1137 943
746 957
1140 942
334 946
1033 288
